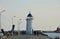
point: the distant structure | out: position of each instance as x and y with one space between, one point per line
29 23
58 29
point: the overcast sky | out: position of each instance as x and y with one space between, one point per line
46 13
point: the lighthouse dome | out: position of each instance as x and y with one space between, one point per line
29 15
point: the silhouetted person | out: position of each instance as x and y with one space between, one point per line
3 31
13 26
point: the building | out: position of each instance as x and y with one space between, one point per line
29 23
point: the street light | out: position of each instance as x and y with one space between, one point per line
13 24
19 22
0 17
13 20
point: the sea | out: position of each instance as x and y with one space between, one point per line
1 34
53 35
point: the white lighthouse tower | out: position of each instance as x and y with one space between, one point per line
29 23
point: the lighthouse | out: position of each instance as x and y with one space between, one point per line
29 23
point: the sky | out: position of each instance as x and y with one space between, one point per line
46 14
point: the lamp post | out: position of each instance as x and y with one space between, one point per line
13 20
13 24
19 22
0 17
